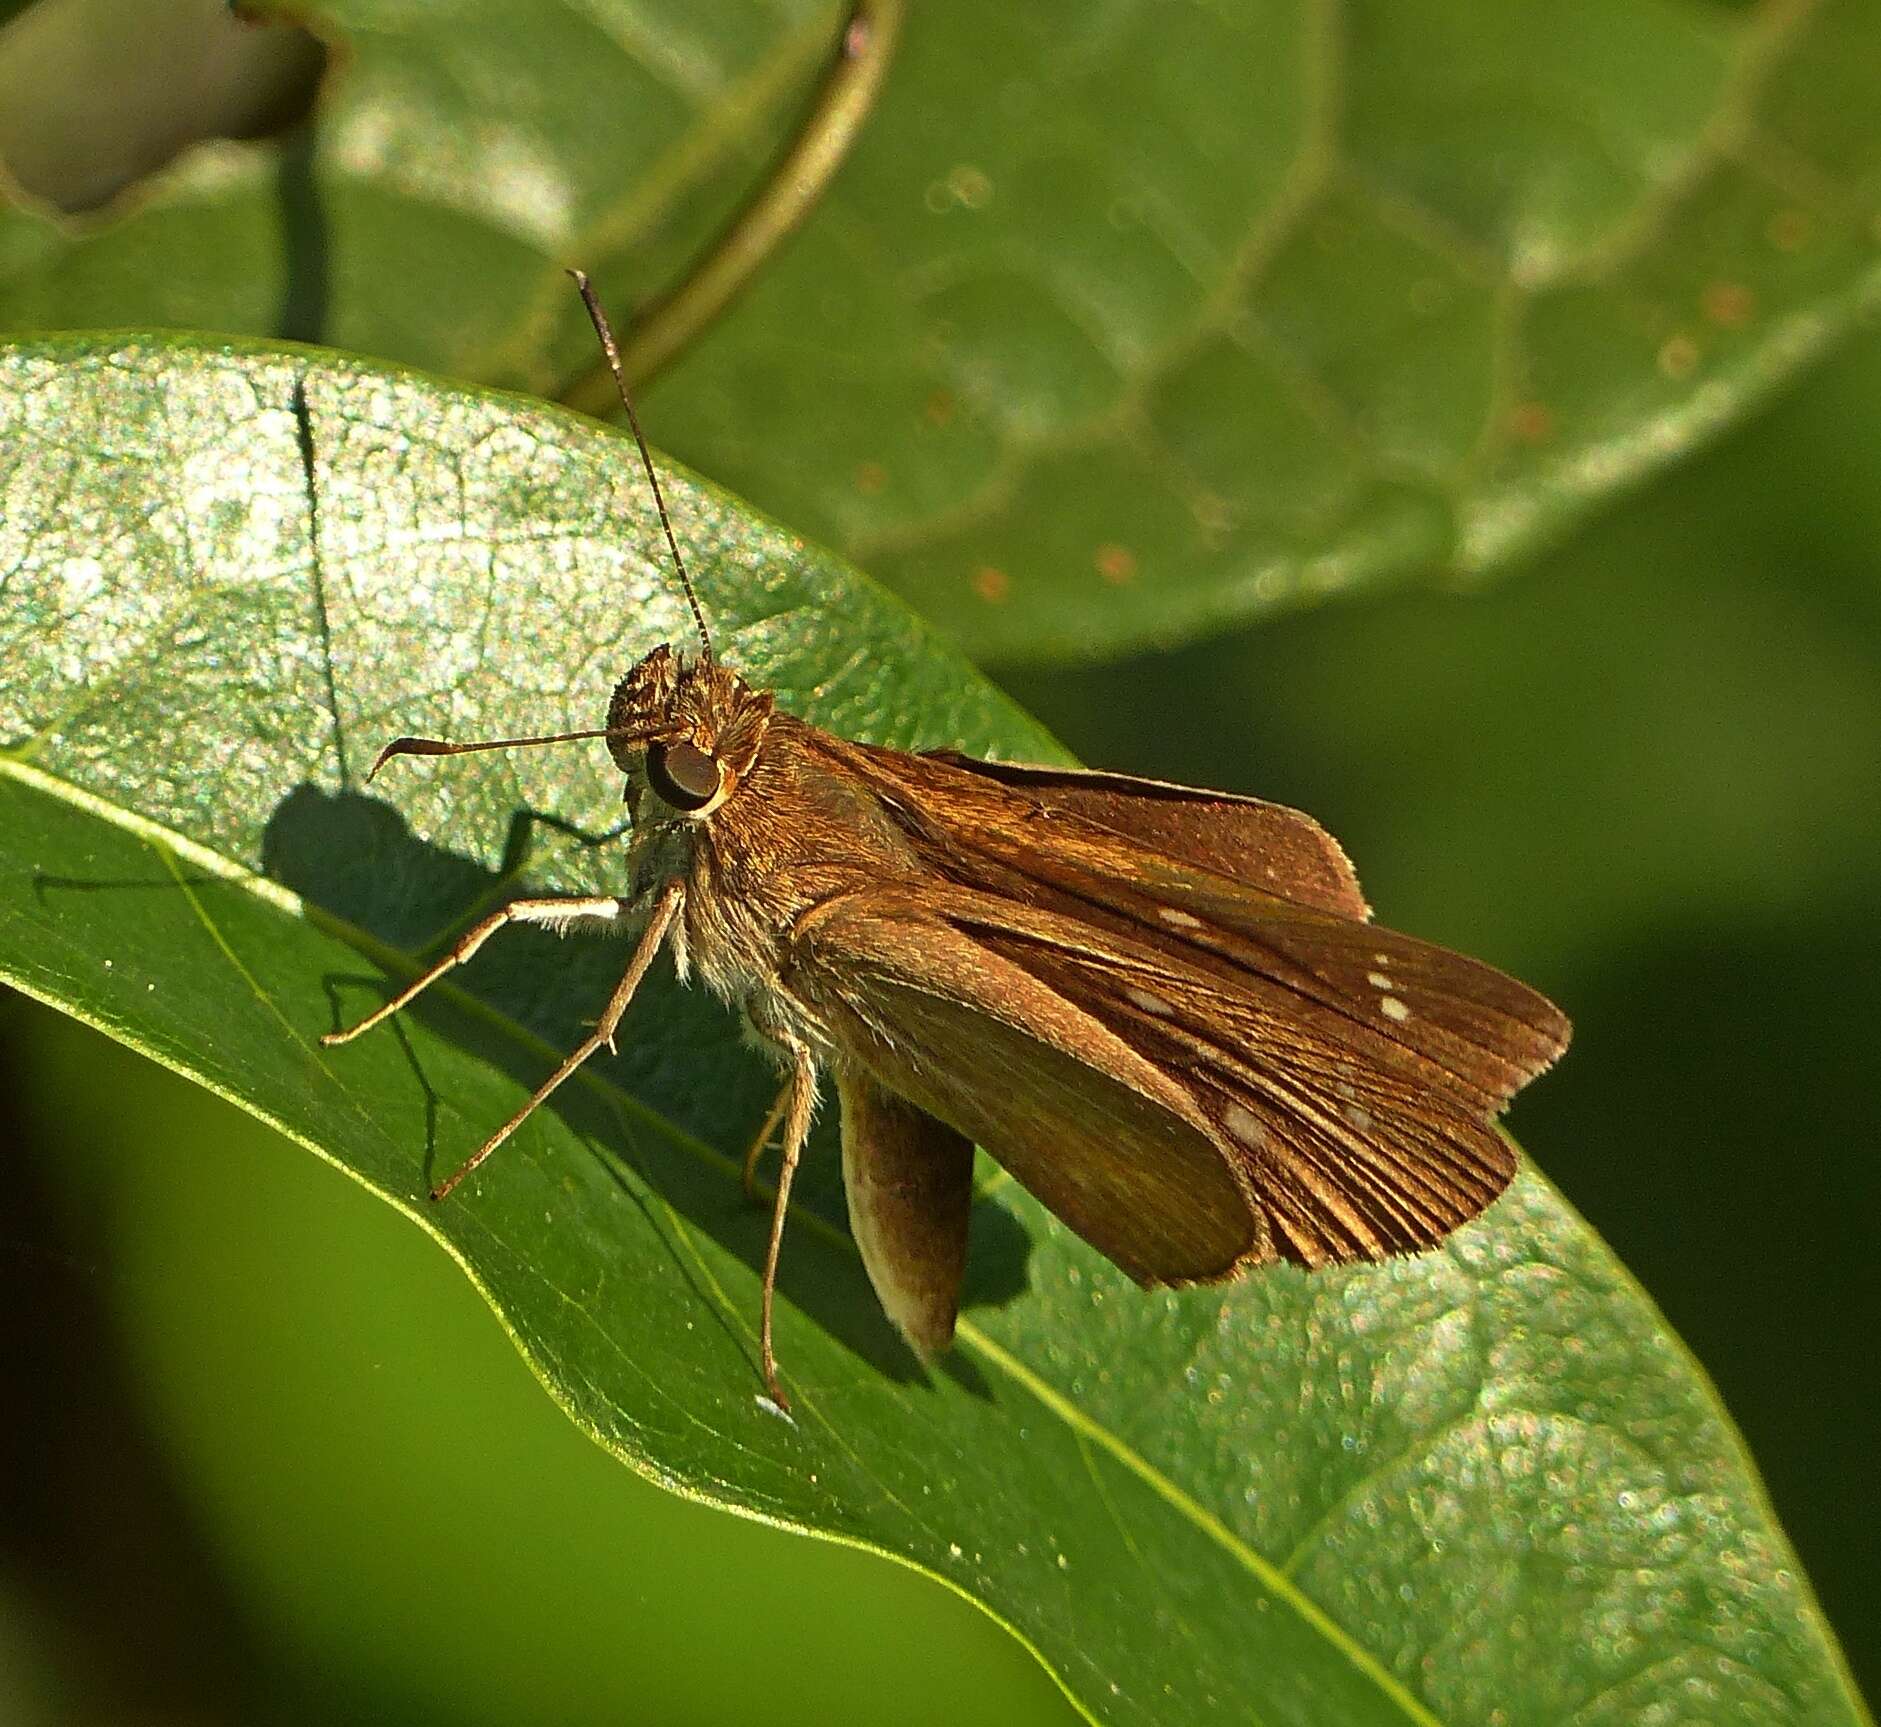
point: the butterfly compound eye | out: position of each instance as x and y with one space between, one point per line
683 775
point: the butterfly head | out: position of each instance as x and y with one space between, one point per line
691 732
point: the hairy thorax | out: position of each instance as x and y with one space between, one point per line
793 838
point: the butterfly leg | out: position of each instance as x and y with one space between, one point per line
799 1100
762 1143
555 913
665 909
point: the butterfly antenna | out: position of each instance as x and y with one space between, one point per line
612 349
442 747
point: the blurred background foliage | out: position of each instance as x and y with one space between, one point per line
1121 321
1643 773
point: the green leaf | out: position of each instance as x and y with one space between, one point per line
1128 321
1483 1485
1122 322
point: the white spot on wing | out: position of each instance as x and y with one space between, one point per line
1359 1117
1149 1003
1392 1008
1180 919
1244 1125
1377 980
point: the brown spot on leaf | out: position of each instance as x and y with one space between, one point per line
1729 305
871 477
1531 423
970 186
1116 564
1678 357
991 583
1789 230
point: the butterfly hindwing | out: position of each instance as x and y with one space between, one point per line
1115 1148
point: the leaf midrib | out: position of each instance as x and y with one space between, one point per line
166 840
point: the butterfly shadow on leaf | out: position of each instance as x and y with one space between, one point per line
672 1113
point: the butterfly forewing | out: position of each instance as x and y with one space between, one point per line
1489 1033
1349 1157
1281 850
